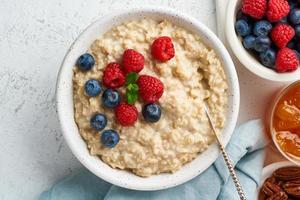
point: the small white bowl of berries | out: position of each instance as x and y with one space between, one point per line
265 36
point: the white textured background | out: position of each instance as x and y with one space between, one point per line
34 36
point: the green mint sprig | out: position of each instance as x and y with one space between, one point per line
132 88
131 78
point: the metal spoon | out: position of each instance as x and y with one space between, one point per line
226 158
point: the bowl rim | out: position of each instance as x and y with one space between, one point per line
247 60
271 128
232 81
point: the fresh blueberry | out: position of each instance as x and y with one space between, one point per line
110 138
111 98
297 30
98 121
151 112
242 27
85 62
92 87
262 43
248 42
294 16
262 27
267 58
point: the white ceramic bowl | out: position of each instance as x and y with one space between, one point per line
250 62
66 112
268 171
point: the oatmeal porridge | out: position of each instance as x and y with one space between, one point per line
192 76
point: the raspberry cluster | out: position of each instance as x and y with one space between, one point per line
147 88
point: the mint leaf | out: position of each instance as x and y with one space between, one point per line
131 78
131 97
133 87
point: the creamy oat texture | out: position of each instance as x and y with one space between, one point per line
193 75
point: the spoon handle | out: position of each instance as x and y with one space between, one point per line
232 173
226 157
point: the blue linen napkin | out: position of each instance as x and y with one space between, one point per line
245 150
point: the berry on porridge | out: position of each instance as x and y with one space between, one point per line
111 98
132 61
267 28
85 62
150 88
162 49
151 112
92 88
126 114
98 121
113 76
150 118
110 138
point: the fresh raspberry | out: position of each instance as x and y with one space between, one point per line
281 34
255 8
162 49
133 61
126 114
277 9
150 88
286 60
113 76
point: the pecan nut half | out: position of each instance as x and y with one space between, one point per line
270 188
278 196
296 181
292 189
287 173
271 179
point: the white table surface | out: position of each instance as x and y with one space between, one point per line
34 36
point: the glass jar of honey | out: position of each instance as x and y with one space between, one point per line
285 122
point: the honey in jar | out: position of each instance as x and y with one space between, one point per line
286 121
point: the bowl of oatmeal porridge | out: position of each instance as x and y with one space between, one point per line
178 146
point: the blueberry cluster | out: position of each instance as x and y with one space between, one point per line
256 39
256 34
110 99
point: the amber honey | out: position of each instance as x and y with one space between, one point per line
286 121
